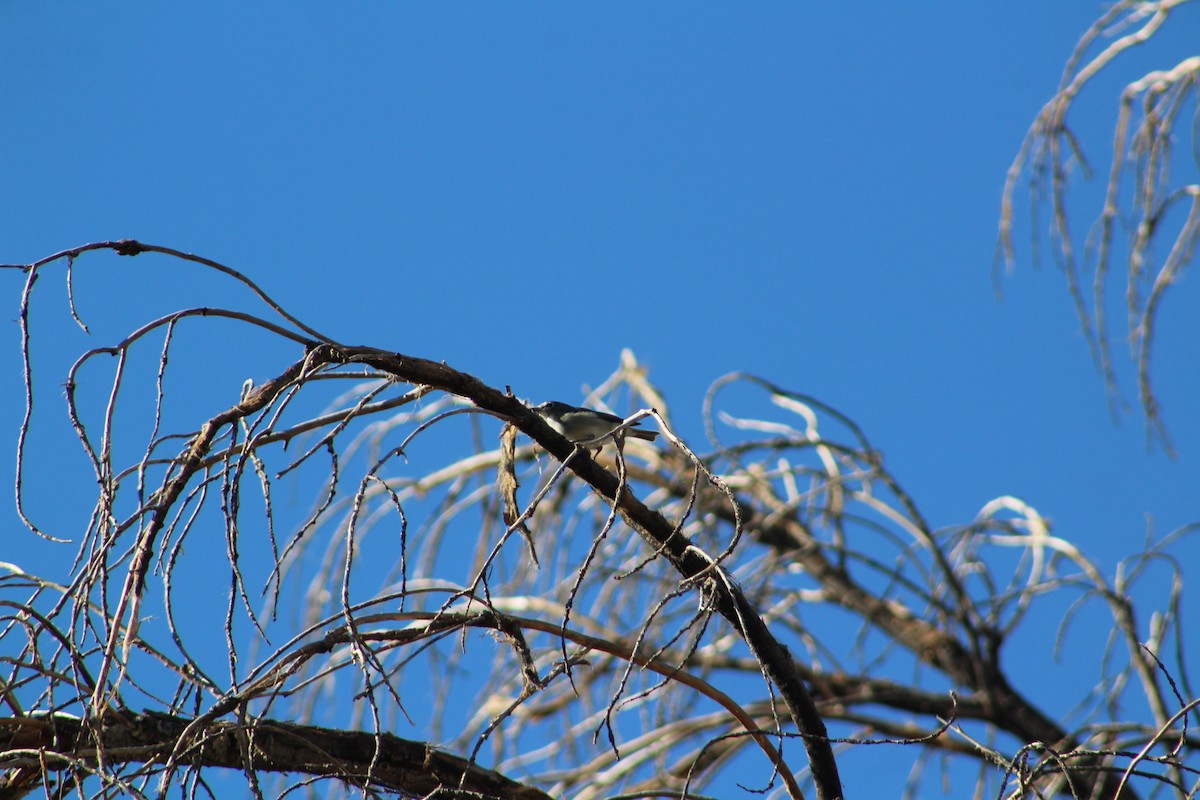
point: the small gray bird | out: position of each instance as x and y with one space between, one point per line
583 424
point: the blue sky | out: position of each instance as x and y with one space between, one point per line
809 193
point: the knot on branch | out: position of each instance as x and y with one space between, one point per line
129 247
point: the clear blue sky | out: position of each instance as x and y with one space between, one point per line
806 192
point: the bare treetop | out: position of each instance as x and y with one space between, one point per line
756 608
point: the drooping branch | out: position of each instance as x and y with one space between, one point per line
1149 198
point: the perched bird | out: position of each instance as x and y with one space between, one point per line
584 424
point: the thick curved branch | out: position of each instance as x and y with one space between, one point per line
660 534
266 745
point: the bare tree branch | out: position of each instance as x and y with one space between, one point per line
32 744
